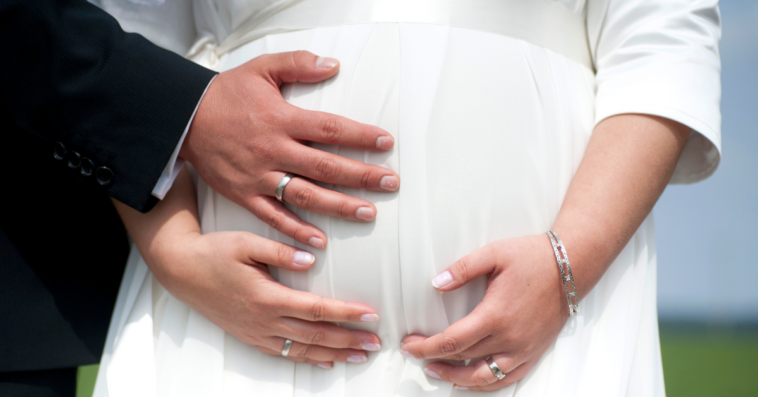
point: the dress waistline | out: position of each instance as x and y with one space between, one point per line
545 23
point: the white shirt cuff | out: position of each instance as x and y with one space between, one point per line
175 164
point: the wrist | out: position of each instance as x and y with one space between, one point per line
199 121
171 253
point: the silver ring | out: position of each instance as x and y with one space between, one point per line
494 368
282 184
287 345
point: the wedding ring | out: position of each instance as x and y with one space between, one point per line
287 345
282 184
494 368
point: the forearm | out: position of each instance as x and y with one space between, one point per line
156 232
626 167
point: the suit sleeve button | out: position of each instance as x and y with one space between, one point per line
88 167
104 176
59 152
74 159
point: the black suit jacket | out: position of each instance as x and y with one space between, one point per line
87 111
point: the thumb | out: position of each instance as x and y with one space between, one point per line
466 269
303 66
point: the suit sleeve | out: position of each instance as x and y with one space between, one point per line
112 105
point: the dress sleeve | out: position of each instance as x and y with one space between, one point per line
661 57
168 24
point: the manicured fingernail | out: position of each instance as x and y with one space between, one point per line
316 242
406 354
384 143
442 279
366 318
302 258
432 373
324 365
364 214
389 183
460 387
326 63
372 347
358 359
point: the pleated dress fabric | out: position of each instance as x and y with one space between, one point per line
489 132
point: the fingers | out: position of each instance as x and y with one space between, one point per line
321 364
311 307
469 267
323 354
308 196
328 335
256 249
330 168
337 130
475 376
269 210
451 342
289 67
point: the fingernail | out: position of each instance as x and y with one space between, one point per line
384 143
302 258
389 183
358 359
316 242
372 347
366 318
432 373
364 214
406 354
326 63
460 387
324 365
442 279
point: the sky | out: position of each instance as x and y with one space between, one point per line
707 233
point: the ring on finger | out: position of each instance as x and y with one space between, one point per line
287 346
494 368
282 184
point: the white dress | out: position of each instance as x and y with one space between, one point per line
491 119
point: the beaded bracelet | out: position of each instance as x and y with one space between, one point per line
566 276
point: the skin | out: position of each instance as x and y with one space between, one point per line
245 137
225 277
628 163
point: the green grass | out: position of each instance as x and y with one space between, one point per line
707 361
697 361
85 380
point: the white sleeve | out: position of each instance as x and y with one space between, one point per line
175 163
168 24
661 57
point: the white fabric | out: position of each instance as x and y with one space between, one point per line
489 132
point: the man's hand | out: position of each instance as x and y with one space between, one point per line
245 137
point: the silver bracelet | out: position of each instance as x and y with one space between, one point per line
566 276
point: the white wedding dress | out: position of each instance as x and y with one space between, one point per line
491 103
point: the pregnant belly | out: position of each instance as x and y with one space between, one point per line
482 148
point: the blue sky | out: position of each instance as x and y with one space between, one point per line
707 233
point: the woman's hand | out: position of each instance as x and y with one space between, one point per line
628 162
520 316
224 276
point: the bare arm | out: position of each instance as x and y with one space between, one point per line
627 164
224 276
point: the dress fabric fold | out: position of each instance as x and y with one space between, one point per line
489 131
